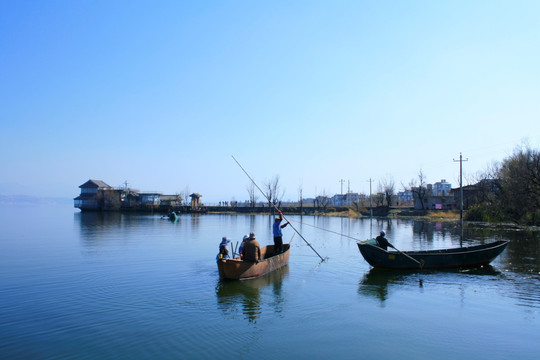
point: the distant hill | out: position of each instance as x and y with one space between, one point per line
28 199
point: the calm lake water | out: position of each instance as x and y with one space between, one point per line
132 286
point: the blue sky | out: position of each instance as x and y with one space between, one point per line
161 94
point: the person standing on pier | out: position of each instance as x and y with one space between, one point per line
278 236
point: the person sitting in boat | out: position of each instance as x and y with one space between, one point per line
244 240
252 249
223 251
383 242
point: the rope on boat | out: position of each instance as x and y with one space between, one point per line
420 263
330 231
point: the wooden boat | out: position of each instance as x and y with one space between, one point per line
470 256
240 269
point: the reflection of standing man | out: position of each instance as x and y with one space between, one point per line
278 240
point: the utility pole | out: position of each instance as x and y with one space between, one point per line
461 191
461 185
370 199
370 210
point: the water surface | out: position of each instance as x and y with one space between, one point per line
134 286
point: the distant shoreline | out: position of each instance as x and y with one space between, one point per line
30 199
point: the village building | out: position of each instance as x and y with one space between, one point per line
347 199
405 197
195 201
477 193
171 200
150 199
436 196
442 188
97 195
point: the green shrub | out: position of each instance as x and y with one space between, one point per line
531 218
483 212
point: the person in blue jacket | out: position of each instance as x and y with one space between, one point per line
278 236
223 251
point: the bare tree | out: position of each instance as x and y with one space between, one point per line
323 200
252 194
519 179
379 197
360 202
300 197
185 194
484 192
273 191
388 188
419 189
509 190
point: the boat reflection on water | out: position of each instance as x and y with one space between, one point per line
251 296
379 283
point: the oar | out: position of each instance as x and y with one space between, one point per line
420 263
234 247
274 205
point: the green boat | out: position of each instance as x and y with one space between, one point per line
470 256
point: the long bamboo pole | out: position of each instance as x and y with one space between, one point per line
275 207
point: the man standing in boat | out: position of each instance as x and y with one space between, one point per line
278 236
383 242
252 249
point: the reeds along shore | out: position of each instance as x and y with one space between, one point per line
338 211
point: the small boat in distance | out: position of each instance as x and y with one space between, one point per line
237 269
470 256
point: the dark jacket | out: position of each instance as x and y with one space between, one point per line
251 250
382 242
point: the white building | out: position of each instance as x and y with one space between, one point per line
442 188
345 199
405 196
